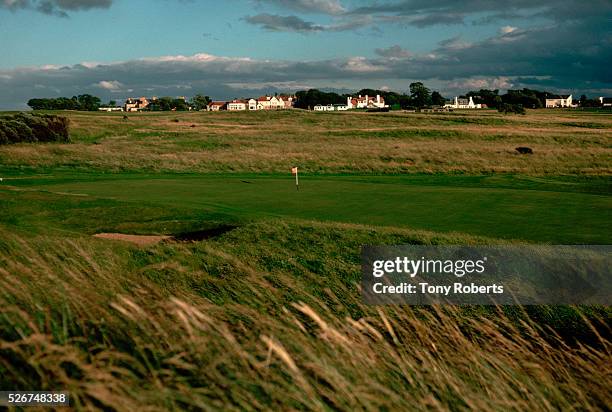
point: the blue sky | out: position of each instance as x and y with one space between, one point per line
245 47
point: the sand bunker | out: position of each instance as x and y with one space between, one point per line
140 240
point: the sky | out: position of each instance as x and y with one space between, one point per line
236 48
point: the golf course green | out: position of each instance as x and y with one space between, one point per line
511 208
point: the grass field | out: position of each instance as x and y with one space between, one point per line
263 310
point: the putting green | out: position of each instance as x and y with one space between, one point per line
438 205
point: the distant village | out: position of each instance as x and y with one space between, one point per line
420 98
283 102
280 102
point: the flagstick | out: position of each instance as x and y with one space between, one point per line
297 182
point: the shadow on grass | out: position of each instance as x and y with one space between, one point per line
198 235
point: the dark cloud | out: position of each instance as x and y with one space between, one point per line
275 22
55 7
393 52
422 13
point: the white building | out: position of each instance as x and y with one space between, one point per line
560 101
605 101
266 103
462 103
216 106
137 104
366 102
237 105
287 101
324 108
110 109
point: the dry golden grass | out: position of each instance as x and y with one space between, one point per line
564 142
127 343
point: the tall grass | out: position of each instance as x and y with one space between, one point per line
261 319
477 142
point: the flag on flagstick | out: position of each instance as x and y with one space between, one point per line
294 171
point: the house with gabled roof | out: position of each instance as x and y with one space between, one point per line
556 101
462 103
216 106
366 102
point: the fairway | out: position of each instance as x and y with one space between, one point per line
439 204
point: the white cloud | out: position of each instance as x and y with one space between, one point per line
507 29
501 83
112 85
312 6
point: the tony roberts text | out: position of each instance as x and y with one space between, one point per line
426 288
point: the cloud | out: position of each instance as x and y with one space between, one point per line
393 52
507 29
274 22
492 83
426 13
112 85
55 7
310 6
423 13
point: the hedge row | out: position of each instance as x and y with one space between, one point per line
24 127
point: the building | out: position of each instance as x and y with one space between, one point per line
287 101
366 102
216 106
340 107
266 103
110 109
462 103
560 101
605 101
237 105
135 105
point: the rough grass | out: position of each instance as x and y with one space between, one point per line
269 316
564 142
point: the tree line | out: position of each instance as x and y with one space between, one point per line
418 96
84 102
87 102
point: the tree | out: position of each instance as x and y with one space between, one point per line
112 103
200 102
437 99
88 102
419 94
82 102
511 108
485 96
533 99
311 98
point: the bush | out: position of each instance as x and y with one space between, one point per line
511 108
33 128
